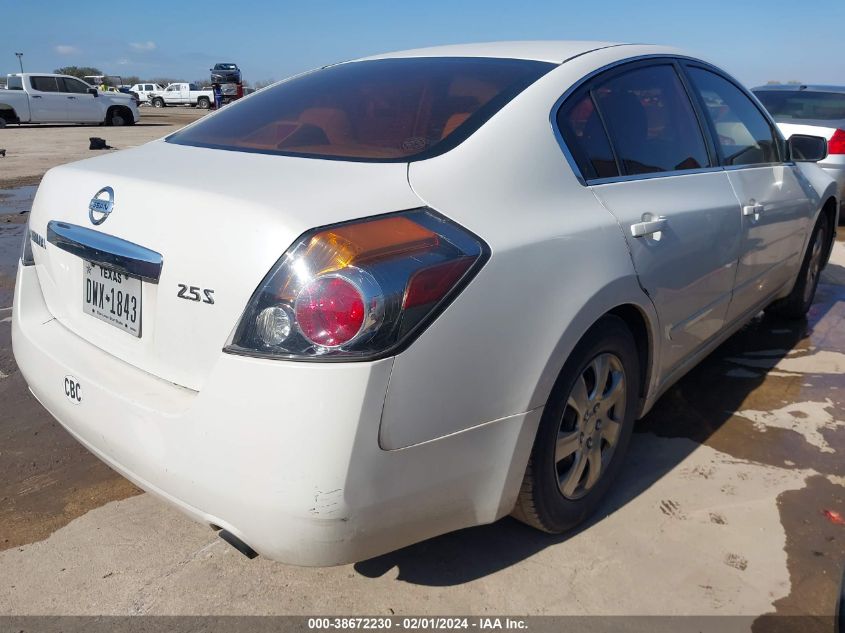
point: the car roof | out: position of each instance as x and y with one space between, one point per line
800 88
555 51
39 75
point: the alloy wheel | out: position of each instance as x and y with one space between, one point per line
814 267
591 425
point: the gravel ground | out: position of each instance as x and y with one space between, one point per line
33 149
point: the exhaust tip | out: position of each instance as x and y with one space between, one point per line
238 544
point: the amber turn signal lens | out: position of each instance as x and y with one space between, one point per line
352 244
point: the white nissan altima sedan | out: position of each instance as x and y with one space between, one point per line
413 293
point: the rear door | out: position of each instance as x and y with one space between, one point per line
80 103
641 145
46 103
776 208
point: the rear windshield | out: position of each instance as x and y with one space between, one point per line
387 110
793 104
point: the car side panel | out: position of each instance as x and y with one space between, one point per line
688 269
46 107
558 262
83 108
18 100
773 240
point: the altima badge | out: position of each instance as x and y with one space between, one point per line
99 208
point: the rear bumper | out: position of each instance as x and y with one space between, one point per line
284 455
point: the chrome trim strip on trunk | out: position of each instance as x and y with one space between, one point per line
106 250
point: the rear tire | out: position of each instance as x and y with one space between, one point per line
798 302
203 103
158 102
584 432
2 122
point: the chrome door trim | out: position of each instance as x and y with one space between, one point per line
653 175
106 250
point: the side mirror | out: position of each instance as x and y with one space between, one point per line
806 148
94 91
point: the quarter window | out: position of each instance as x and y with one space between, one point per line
743 134
44 84
582 130
651 121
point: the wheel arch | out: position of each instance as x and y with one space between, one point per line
8 113
625 300
830 209
127 112
636 321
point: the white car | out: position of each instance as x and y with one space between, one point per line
51 98
815 110
408 294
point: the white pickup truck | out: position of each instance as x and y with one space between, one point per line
182 94
145 91
49 98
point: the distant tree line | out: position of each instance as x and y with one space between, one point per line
78 71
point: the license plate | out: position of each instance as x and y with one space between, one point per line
112 296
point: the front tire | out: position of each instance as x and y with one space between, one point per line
119 117
584 432
158 102
798 302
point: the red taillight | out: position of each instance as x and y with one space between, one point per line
430 284
330 311
836 144
358 290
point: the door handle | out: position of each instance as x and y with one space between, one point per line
71 97
36 96
649 227
753 209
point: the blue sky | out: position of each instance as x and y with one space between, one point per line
752 39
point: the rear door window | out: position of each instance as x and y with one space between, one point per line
651 121
379 110
44 84
743 133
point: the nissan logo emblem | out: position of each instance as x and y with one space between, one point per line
101 205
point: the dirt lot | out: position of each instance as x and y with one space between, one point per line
724 506
33 149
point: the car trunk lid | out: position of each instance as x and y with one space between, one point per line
218 220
